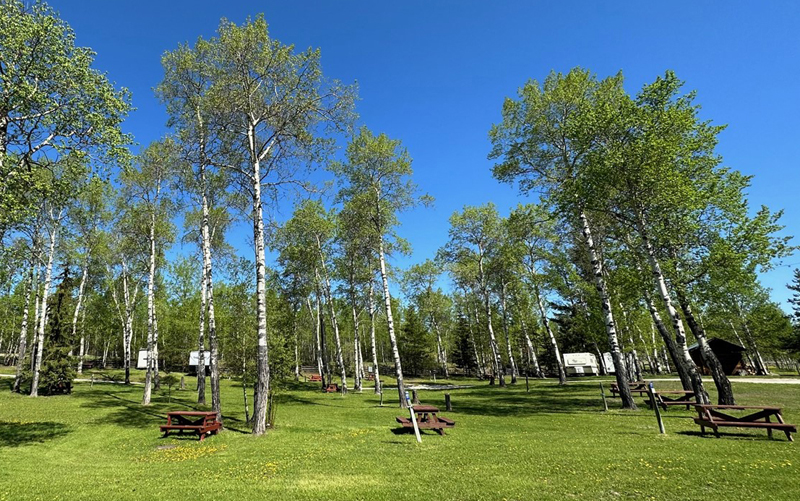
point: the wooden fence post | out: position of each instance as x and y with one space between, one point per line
447 406
415 397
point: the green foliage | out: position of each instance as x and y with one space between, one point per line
53 105
416 346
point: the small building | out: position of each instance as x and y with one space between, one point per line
729 355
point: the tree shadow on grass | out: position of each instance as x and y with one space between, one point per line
17 434
779 436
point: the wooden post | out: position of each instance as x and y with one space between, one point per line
92 385
183 384
415 397
447 406
528 386
381 394
603 393
652 393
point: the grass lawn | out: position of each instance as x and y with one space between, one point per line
551 443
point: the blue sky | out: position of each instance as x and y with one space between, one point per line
434 74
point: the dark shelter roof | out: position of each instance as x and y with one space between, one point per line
729 355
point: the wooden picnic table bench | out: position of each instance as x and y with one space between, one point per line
427 419
636 387
712 416
315 378
201 423
332 388
666 398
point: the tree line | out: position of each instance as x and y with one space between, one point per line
635 239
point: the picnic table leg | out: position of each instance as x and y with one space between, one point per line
716 431
769 430
702 430
789 435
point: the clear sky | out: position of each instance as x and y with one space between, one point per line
434 74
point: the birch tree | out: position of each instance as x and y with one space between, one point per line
548 141
275 108
376 180
474 237
146 187
52 104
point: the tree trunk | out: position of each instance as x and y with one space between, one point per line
201 345
537 371
496 359
478 361
677 324
637 370
75 317
151 315
508 336
317 344
43 309
562 376
387 299
208 273
334 320
357 371
669 342
761 367
371 304
724 389
441 355
22 346
296 346
261 391
611 331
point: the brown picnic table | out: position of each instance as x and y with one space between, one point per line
636 387
315 378
428 418
199 422
665 398
712 416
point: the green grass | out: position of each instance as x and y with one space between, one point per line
551 443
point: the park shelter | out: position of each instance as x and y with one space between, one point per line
729 355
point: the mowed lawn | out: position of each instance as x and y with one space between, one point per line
552 443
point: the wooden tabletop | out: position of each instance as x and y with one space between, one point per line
722 406
191 413
425 408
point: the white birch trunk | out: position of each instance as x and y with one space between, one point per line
562 375
497 361
334 320
531 351
401 389
261 392
22 345
371 305
151 279
508 336
677 323
209 284
78 305
357 375
43 309
611 331
201 344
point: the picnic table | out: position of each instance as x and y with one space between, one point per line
332 388
199 422
636 387
427 419
315 378
712 416
666 398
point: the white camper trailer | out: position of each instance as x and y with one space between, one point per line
194 358
580 364
141 361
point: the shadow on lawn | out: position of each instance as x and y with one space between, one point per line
16 434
